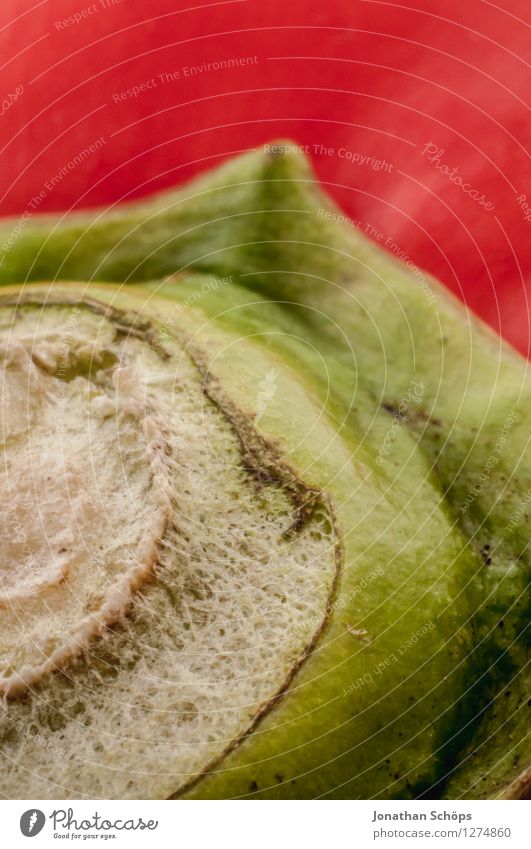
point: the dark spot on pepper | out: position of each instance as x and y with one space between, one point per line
487 559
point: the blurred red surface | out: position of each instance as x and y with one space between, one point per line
351 80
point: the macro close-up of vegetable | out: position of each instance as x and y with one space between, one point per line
269 510
265 411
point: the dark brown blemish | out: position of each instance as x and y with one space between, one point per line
416 415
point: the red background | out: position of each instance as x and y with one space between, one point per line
377 78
